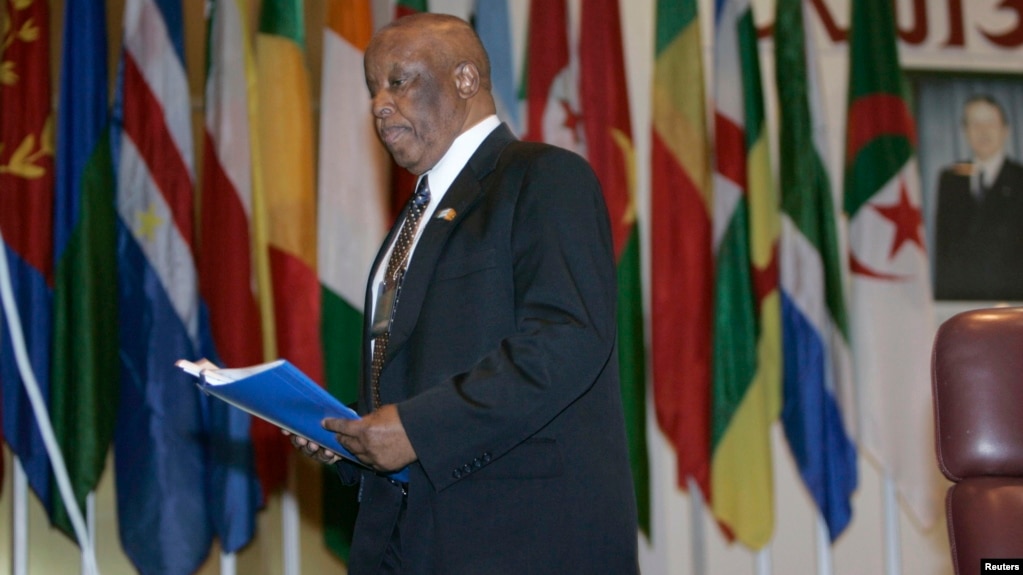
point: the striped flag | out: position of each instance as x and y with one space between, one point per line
891 310
26 212
746 370
682 265
353 217
609 148
817 382
160 455
403 182
227 277
494 29
286 155
84 388
552 91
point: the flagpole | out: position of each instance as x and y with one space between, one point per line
824 560
20 551
90 526
228 563
697 508
289 526
893 550
762 561
39 409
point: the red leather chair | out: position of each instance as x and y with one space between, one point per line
977 378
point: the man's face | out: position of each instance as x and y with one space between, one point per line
414 100
985 130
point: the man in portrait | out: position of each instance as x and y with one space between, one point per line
979 230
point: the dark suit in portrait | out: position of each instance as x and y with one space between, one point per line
979 235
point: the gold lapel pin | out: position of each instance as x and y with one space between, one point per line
447 214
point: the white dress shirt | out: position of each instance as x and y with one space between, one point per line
440 177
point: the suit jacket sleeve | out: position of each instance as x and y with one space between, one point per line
561 261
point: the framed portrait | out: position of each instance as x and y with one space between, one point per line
970 128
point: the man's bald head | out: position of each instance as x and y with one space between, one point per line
453 39
429 79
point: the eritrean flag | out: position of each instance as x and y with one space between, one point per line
26 221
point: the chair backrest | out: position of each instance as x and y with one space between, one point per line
977 378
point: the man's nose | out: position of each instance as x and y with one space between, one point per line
382 104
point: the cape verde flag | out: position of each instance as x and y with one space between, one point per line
159 454
26 217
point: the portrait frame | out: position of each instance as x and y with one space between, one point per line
939 97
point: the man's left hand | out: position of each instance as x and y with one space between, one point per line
378 439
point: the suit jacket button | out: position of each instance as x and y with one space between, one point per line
486 457
457 474
466 469
477 463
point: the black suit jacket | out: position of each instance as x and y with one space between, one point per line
979 243
502 361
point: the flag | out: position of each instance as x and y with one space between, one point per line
605 111
552 91
493 26
84 386
682 265
26 220
746 382
891 310
353 216
403 182
817 381
227 276
159 446
286 155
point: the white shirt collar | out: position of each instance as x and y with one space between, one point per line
989 168
447 169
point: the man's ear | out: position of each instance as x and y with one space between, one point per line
467 80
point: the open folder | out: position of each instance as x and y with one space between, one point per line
280 393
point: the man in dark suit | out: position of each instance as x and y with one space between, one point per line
979 232
498 387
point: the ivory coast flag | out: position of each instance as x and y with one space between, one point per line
286 155
891 311
605 109
747 323
353 217
682 264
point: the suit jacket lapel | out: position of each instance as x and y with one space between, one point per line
464 192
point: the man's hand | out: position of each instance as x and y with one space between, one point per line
378 439
314 450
